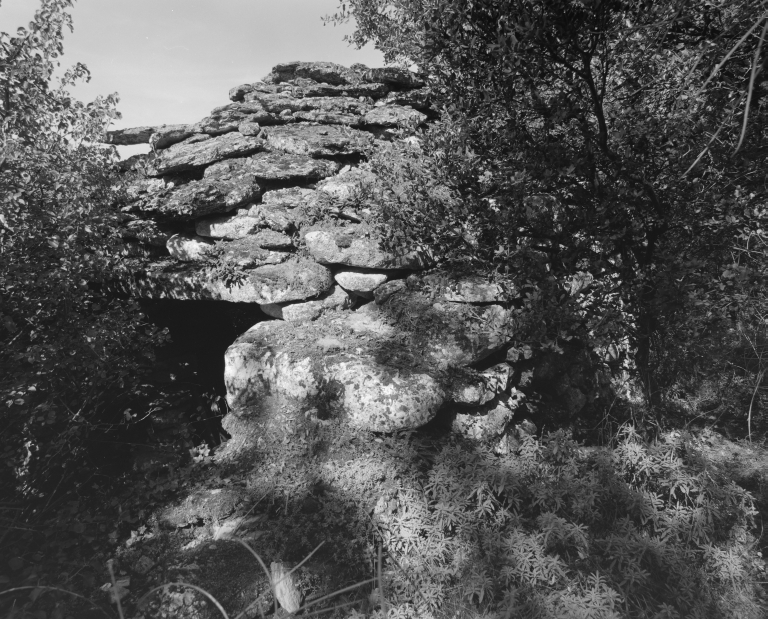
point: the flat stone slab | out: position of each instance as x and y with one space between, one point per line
304 311
192 154
229 117
328 72
130 136
394 116
401 78
247 253
290 198
317 140
299 87
281 167
356 246
293 280
221 190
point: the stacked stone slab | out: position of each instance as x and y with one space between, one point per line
268 182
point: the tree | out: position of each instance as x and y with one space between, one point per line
67 348
617 143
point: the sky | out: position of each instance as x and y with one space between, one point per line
173 61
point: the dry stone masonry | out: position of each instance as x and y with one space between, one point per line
267 185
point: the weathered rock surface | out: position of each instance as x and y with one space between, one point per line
192 154
221 190
418 99
168 135
370 394
130 137
401 78
488 422
290 198
317 140
246 253
440 334
355 246
229 117
229 226
207 505
394 116
280 167
337 298
475 389
189 248
277 218
293 280
327 72
348 184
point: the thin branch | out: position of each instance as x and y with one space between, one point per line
755 70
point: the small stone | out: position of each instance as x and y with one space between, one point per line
143 565
360 282
270 239
249 128
228 227
189 248
385 291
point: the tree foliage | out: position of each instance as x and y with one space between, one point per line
607 154
67 348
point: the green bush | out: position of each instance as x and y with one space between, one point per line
558 530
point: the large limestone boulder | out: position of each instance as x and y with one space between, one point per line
293 280
317 140
436 335
356 245
383 367
308 359
195 153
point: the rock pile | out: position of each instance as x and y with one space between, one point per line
266 183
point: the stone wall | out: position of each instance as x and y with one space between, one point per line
266 183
